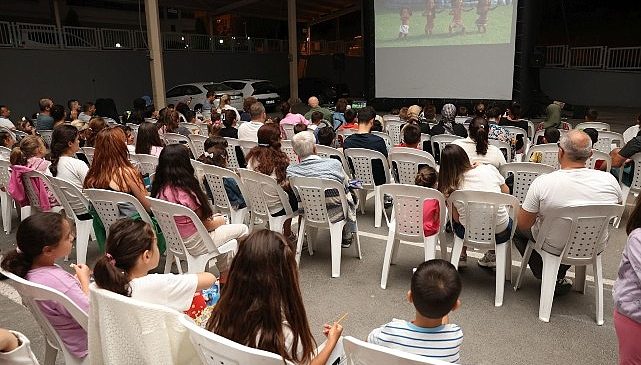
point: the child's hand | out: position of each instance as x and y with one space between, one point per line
82 271
333 333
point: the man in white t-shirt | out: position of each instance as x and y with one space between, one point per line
572 185
4 117
249 131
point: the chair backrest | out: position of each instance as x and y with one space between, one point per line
286 146
524 173
461 119
192 127
232 159
46 136
5 173
586 232
408 208
599 126
197 144
407 162
541 133
424 138
217 350
289 130
175 138
5 153
599 156
246 146
214 177
387 138
71 198
635 186
504 147
364 353
146 163
31 293
481 208
361 161
393 129
89 152
165 213
391 117
342 134
105 202
630 133
531 128
328 152
32 195
311 191
549 154
606 140
439 142
258 186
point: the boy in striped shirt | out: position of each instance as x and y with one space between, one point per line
435 291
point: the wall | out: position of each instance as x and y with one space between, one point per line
29 75
593 88
353 75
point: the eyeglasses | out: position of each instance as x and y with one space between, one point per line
559 145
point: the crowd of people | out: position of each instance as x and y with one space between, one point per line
261 303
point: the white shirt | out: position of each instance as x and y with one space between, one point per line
4 122
566 188
175 291
484 178
493 157
249 131
72 170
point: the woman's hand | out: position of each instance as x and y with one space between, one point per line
333 333
83 274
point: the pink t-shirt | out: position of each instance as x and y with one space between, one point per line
431 212
73 336
177 195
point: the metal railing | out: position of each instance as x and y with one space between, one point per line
597 58
46 36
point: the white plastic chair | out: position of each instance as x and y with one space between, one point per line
5 153
393 129
524 173
6 199
89 152
176 138
214 176
439 142
192 127
407 162
606 140
328 152
531 128
481 209
343 134
75 204
106 202
198 249
46 136
386 137
599 156
390 117
503 146
32 195
407 222
599 126
286 146
361 161
232 158
549 154
31 294
424 138
217 350
197 144
635 186
259 188
312 196
289 130
630 133
246 146
146 163
582 246
364 353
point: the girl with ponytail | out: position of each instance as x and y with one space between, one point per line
42 239
30 153
477 145
131 252
65 142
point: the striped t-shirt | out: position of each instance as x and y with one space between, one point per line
442 342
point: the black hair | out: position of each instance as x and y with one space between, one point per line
230 118
4 136
57 112
217 147
147 137
300 127
140 104
479 130
479 109
326 136
552 135
593 133
175 169
515 110
366 114
60 138
377 126
136 117
426 176
350 115
494 112
189 115
436 286
592 114
106 108
317 116
411 134
285 108
34 233
86 106
127 240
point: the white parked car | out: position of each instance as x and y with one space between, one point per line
263 90
196 93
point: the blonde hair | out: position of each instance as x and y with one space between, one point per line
29 147
413 112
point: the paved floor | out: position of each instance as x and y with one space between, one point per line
511 334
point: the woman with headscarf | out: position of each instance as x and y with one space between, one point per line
447 124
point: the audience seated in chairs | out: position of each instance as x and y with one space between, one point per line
364 139
29 155
65 143
311 165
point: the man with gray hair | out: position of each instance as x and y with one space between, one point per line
315 107
572 185
312 165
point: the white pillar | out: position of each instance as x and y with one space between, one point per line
155 53
56 13
293 49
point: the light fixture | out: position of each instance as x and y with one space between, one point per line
221 41
118 45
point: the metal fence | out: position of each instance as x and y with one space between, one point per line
596 58
45 36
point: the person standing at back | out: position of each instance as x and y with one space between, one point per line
363 138
249 131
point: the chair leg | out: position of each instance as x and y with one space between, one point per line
237 216
579 278
387 260
526 258
501 256
551 265
508 260
456 251
397 244
362 199
311 236
443 245
336 232
169 260
7 204
598 288
83 230
429 245
50 354
299 244
358 244
25 212
276 223
378 207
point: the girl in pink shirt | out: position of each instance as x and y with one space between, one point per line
42 239
428 177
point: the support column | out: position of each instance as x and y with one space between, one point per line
293 49
155 53
56 15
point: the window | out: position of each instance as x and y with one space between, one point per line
236 85
217 87
176 91
264 87
192 90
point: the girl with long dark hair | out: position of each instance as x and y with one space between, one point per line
148 140
65 142
478 147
